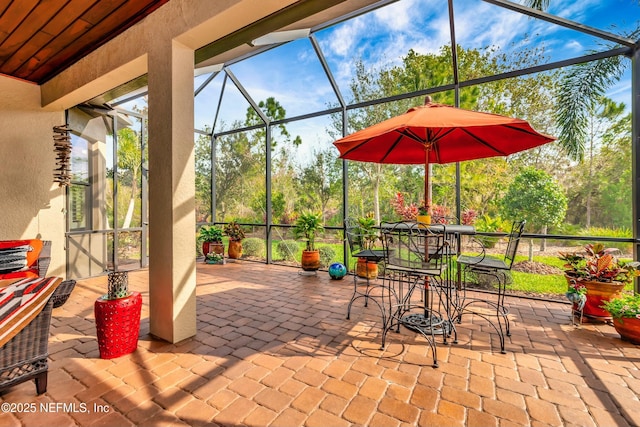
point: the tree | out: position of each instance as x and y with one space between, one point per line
274 111
320 180
525 97
580 89
535 197
203 177
130 160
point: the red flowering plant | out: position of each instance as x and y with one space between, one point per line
407 213
440 214
469 216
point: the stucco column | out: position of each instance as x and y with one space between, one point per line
635 152
172 225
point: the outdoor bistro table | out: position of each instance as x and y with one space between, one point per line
449 284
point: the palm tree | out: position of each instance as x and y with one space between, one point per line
581 88
129 159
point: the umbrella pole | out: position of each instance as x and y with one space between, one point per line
427 181
427 204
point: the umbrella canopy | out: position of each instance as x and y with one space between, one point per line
437 133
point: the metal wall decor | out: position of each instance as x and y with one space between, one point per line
62 148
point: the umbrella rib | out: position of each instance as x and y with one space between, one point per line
527 131
485 143
412 135
395 143
355 147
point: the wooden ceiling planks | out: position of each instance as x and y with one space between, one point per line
39 38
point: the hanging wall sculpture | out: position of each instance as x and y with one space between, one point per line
62 148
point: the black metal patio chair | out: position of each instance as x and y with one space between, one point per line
361 247
493 310
416 258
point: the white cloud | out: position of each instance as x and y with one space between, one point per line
576 10
397 16
487 25
344 37
574 45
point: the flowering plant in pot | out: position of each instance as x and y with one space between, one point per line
214 258
625 311
598 270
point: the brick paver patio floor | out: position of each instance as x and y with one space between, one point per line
274 348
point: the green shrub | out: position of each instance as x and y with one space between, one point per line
622 233
253 246
288 250
491 225
327 255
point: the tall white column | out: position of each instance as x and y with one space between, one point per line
172 225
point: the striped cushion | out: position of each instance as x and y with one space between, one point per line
21 302
14 258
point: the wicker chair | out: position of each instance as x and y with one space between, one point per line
44 259
24 357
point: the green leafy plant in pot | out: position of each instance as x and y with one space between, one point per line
368 234
306 228
625 311
211 238
598 270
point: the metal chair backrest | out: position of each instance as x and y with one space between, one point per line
354 238
517 229
412 246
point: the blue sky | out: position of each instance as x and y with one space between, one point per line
292 73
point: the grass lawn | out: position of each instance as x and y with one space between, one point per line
529 283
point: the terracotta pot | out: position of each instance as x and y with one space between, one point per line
628 328
367 269
597 294
215 247
235 249
310 260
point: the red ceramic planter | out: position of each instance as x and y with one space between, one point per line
628 328
118 325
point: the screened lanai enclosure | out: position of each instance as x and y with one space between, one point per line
266 120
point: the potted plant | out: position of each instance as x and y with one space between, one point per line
211 238
306 227
625 311
601 273
213 258
424 215
235 234
367 234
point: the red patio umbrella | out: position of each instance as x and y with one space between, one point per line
437 133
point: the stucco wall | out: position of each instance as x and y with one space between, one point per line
32 204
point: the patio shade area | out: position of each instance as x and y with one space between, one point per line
274 348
